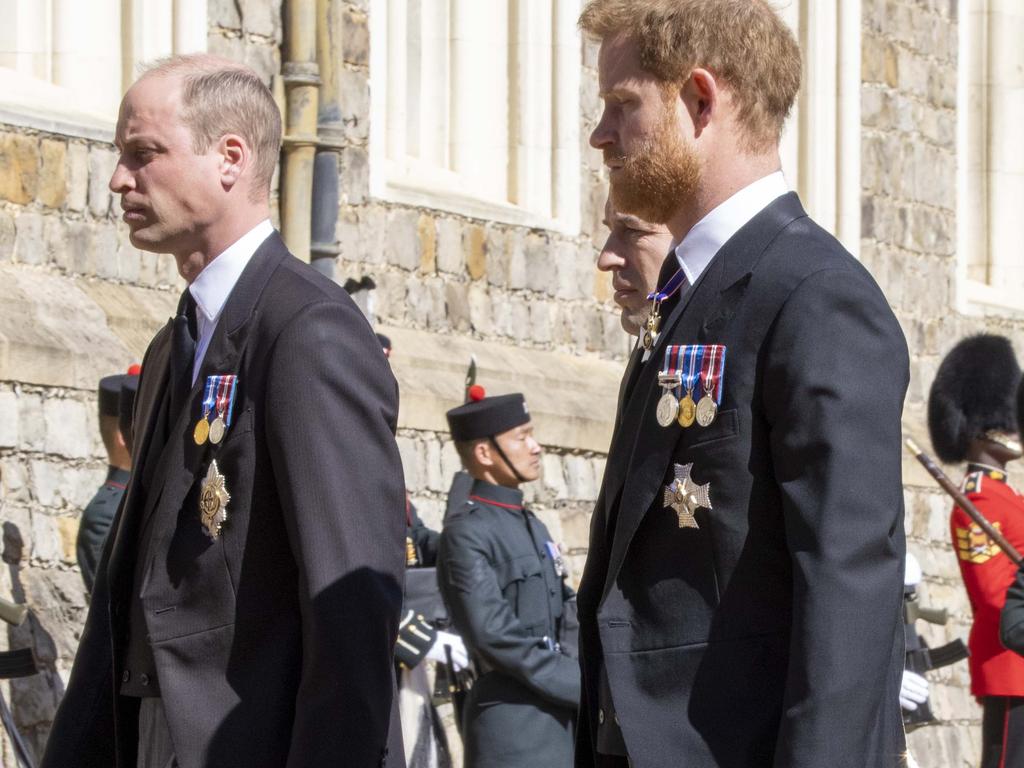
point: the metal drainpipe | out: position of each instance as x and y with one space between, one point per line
302 82
324 247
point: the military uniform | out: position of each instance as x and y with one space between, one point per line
997 674
970 407
506 596
116 397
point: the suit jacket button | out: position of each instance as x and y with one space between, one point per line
600 716
144 679
126 676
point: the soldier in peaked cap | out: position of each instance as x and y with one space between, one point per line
99 512
971 419
503 580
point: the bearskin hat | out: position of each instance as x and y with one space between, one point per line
973 392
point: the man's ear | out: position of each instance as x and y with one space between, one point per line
700 93
483 454
235 157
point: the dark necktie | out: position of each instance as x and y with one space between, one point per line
183 350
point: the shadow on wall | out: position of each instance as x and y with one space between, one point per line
34 699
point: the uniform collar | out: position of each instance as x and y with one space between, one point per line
708 235
987 471
214 284
498 495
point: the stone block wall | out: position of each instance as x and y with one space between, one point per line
909 242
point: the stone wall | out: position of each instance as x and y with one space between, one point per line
909 228
77 302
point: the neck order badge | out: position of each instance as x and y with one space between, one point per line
650 335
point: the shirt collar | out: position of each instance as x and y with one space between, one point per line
709 234
215 283
498 495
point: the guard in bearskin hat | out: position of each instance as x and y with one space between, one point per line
972 418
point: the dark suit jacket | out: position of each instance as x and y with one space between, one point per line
273 643
771 635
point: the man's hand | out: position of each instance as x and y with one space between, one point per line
913 690
460 658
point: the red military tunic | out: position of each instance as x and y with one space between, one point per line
987 573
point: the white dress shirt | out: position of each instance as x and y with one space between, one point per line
215 283
709 234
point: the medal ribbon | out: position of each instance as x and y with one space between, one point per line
712 370
670 288
225 397
673 359
209 396
693 356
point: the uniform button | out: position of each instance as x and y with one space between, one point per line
126 676
144 679
600 716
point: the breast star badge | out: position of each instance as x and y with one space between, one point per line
213 501
686 497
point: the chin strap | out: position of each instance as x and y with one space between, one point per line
505 458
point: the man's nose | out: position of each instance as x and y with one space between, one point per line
608 260
602 135
120 180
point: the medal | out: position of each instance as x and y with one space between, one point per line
705 411
216 431
685 497
711 375
556 558
202 431
668 409
213 501
651 327
687 411
691 355
669 379
225 403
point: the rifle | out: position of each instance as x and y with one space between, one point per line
964 503
920 658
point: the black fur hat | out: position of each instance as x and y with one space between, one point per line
973 393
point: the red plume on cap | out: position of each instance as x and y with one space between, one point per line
476 393
134 369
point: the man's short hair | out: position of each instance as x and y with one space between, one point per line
221 96
744 43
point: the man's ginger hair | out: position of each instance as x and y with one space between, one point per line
220 96
743 43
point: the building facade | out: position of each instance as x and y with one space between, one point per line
449 145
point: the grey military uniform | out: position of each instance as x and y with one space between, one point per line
506 598
96 520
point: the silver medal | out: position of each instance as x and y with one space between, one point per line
707 410
668 408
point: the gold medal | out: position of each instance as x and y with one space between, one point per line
648 340
202 431
651 326
217 429
706 411
687 411
213 501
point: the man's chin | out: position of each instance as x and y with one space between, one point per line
632 321
146 239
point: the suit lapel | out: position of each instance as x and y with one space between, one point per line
149 415
181 459
639 457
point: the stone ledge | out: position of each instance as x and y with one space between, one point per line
64 332
572 399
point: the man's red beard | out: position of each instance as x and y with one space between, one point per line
658 177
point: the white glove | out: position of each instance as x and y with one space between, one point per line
460 659
913 690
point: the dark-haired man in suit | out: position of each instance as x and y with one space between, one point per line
247 602
741 600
